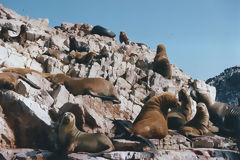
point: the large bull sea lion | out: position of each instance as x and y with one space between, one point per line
152 121
71 139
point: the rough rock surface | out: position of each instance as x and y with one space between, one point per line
227 86
29 116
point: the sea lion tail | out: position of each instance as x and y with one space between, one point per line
29 82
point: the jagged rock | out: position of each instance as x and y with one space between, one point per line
53 66
58 41
15 60
128 155
124 87
95 71
227 85
61 96
76 156
4 54
41 96
6 134
20 112
27 154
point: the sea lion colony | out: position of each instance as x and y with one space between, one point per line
152 121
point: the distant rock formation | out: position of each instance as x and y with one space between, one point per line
227 85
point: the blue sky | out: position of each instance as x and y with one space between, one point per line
202 37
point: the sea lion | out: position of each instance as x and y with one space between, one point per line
83 57
4 34
123 38
161 63
122 129
22 37
225 116
199 124
102 31
97 87
77 46
178 117
9 81
53 53
152 121
24 71
71 139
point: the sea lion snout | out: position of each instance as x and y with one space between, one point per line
67 118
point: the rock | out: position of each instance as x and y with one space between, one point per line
27 154
76 156
95 71
53 66
227 85
15 60
6 134
123 86
61 96
127 155
4 55
21 111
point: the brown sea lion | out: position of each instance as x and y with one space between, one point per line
123 38
22 37
97 87
53 53
225 116
4 34
71 139
178 117
9 80
161 63
24 71
82 57
199 124
152 121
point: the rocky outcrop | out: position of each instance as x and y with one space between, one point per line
227 86
30 115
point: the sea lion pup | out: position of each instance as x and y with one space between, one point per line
224 116
199 124
178 117
24 71
152 121
97 87
161 63
77 46
9 80
102 31
22 37
71 139
123 38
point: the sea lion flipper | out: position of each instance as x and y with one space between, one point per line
146 141
29 82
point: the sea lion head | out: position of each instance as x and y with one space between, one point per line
161 48
72 38
23 28
203 114
68 118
